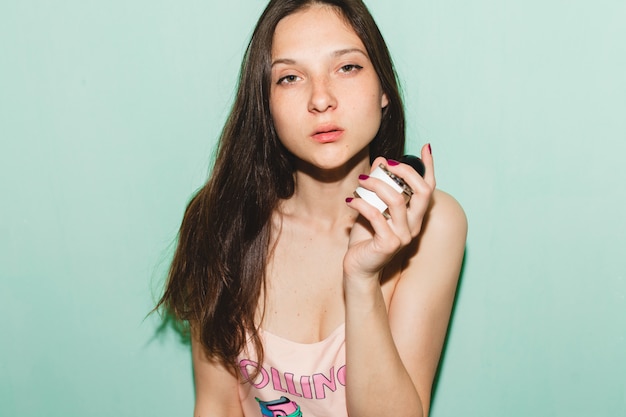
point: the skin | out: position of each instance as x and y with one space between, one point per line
394 278
322 67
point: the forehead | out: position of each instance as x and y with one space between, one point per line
317 27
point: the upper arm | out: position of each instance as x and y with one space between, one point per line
217 392
420 307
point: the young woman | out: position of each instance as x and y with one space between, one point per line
301 299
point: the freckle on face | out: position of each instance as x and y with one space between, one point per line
306 44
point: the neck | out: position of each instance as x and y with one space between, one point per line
320 194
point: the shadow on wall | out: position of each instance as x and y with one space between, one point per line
170 325
167 324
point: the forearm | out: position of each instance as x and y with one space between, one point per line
377 380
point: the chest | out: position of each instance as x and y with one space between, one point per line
304 298
304 292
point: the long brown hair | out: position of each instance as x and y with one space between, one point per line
218 271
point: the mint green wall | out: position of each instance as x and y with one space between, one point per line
108 115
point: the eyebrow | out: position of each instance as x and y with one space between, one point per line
336 54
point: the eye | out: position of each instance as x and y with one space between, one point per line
350 68
288 79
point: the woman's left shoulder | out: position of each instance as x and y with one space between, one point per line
436 254
439 248
445 217
432 264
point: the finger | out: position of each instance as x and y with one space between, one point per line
418 184
422 190
393 201
389 192
407 174
385 239
427 158
379 160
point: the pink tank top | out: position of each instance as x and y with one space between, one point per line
296 379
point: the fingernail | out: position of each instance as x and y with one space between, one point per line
363 177
430 150
349 199
392 162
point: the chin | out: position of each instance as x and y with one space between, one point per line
338 162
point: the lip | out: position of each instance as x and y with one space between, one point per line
327 133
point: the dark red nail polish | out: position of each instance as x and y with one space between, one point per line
392 162
349 199
363 177
430 150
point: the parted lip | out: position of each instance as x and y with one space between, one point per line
327 132
325 129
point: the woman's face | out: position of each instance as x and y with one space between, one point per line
326 99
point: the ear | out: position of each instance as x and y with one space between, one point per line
384 101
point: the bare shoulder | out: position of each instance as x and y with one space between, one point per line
436 255
442 239
445 217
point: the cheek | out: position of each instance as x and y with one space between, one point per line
284 109
280 118
275 111
276 114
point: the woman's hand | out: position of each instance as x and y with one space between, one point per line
374 240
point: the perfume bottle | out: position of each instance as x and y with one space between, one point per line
382 173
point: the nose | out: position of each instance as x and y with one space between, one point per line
322 97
